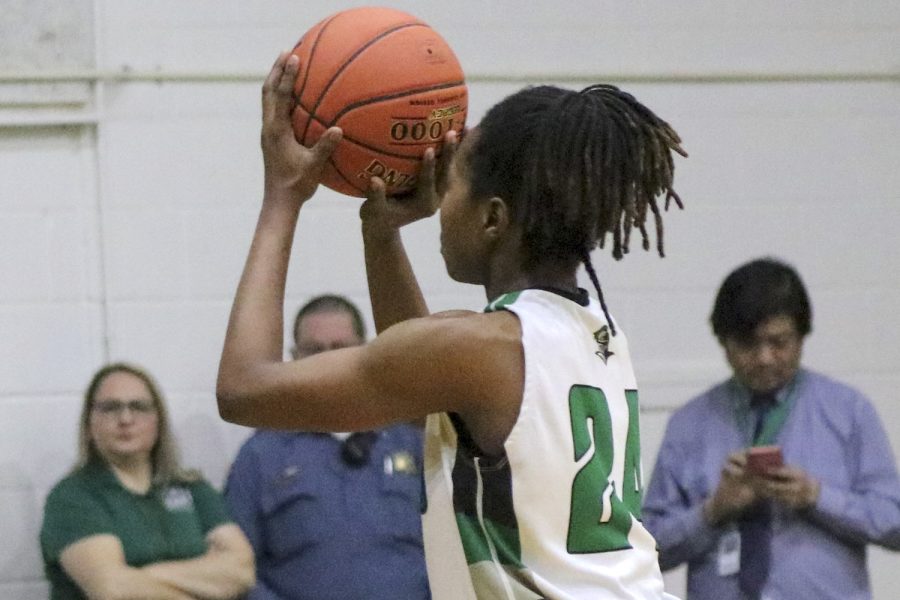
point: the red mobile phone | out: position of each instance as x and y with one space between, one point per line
762 459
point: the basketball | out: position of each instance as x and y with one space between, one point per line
390 82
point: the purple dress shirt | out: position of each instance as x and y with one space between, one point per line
834 434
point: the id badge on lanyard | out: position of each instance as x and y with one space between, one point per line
728 553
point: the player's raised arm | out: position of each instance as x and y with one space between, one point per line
393 288
404 376
292 174
409 371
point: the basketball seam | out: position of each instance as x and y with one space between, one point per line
349 60
380 151
412 92
337 170
312 52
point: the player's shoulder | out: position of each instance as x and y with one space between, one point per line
469 323
456 329
452 314
441 347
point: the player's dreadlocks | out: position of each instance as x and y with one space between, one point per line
575 166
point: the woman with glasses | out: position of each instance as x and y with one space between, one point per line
128 522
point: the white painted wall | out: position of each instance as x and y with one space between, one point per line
124 239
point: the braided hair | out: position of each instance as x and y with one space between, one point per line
574 167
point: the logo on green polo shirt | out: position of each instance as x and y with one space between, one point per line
178 499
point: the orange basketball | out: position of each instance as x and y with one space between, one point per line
390 82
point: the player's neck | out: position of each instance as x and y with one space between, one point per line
550 274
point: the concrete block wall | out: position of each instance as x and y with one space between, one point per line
123 237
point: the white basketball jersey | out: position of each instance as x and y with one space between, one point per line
556 517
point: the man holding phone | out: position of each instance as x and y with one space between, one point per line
771 484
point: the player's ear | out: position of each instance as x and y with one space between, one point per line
496 217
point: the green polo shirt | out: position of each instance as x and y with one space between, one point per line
167 523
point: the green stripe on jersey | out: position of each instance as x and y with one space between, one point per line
503 301
475 544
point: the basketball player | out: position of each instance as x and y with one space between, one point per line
533 451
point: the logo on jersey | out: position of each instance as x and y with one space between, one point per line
601 336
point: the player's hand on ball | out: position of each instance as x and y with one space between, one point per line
289 166
381 213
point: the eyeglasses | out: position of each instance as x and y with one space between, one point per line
115 408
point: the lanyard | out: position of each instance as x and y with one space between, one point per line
773 421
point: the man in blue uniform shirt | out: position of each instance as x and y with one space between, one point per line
332 516
786 532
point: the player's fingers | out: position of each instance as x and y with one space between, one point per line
426 172
271 82
291 68
448 151
375 191
275 72
283 97
324 148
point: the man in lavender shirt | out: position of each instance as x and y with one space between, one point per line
791 532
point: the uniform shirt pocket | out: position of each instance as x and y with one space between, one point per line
402 496
292 515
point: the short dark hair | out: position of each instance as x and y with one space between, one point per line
332 303
755 292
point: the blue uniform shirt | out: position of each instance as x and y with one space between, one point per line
833 433
324 530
